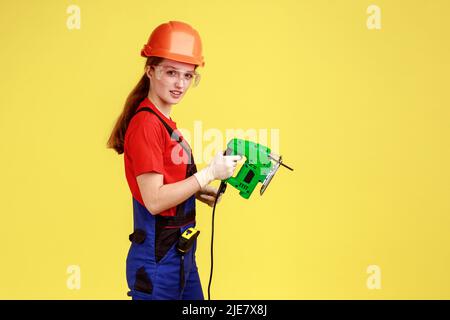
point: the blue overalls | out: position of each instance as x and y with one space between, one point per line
153 262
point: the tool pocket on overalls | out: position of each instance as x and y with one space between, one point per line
138 236
143 282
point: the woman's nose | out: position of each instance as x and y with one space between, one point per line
179 83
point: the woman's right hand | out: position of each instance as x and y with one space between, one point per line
221 167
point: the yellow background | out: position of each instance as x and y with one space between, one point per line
363 118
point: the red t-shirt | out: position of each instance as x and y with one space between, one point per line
148 147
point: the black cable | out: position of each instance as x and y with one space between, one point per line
212 248
221 190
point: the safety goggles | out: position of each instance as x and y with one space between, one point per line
170 74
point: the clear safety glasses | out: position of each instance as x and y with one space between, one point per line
170 74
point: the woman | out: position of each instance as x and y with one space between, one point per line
160 168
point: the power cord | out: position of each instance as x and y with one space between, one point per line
221 190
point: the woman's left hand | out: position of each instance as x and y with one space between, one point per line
208 195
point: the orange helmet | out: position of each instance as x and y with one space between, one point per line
177 41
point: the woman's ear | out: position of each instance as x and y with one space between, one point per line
147 71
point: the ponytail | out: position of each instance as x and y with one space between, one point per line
139 93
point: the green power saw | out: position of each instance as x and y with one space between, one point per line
260 166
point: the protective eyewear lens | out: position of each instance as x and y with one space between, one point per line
170 74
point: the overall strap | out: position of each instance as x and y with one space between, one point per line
171 132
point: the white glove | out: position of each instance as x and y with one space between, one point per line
221 167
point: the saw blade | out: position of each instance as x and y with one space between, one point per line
269 177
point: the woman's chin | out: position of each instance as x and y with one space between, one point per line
173 100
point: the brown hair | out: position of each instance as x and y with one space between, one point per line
139 93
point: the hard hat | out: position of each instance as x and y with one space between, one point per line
177 41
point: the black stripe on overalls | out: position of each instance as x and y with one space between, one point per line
168 228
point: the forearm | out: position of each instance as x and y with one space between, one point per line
159 197
172 194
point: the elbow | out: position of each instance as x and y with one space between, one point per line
149 187
153 202
152 207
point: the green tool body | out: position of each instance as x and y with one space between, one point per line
258 167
